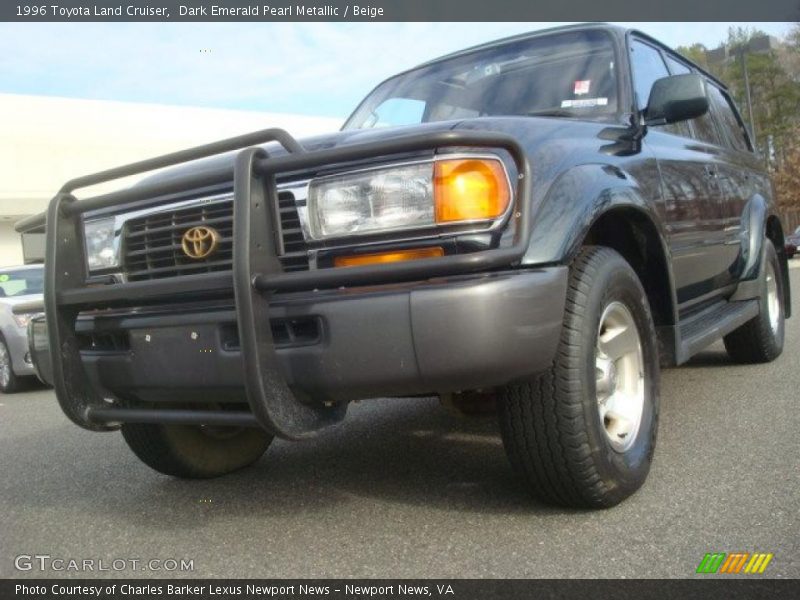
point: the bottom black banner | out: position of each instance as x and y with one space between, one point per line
456 589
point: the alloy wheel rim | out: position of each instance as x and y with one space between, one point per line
773 302
619 376
5 366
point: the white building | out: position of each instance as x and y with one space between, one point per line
45 141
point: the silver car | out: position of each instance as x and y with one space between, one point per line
17 285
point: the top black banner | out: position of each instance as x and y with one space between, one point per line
399 10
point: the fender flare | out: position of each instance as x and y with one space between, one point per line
753 232
752 235
590 191
755 216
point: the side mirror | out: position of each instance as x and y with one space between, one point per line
676 98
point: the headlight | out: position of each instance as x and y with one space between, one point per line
101 245
470 190
22 320
376 200
407 197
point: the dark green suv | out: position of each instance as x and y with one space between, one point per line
541 222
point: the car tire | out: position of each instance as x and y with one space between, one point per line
760 340
566 431
195 452
9 382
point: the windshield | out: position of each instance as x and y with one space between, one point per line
21 282
561 75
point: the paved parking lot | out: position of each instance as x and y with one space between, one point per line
404 489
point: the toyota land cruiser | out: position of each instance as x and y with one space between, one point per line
547 220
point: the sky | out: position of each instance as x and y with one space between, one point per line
321 69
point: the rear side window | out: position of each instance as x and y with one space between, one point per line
731 129
648 66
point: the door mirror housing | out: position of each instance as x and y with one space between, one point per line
676 98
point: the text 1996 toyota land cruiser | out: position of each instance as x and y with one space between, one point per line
546 219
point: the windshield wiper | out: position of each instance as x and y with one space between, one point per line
551 112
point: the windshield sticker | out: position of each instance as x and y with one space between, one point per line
584 103
3 278
582 87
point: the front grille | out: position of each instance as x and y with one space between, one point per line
302 331
295 257
152 243
117 341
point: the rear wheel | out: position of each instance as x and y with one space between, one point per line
761 338
582 433
9 382
195 452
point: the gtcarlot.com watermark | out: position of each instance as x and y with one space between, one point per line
56 564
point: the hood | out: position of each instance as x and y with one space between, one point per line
14 300
533 133
320 142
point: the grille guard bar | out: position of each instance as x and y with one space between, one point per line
257 272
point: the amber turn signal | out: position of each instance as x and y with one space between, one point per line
387 257
471 189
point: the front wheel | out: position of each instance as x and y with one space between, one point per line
582 433
195 452
9 382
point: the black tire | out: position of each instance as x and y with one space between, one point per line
757 341
551 426
9 382
194 452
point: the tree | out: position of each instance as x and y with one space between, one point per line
774 79
787 179
695 53
789 53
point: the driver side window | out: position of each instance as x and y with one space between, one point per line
648 66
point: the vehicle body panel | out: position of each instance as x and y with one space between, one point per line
706 210
16 337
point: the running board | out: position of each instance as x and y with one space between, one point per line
711 324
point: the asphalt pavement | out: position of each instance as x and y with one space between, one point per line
405 489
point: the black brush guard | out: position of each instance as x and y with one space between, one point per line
257 272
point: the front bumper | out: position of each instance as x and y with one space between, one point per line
411 359
424 337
